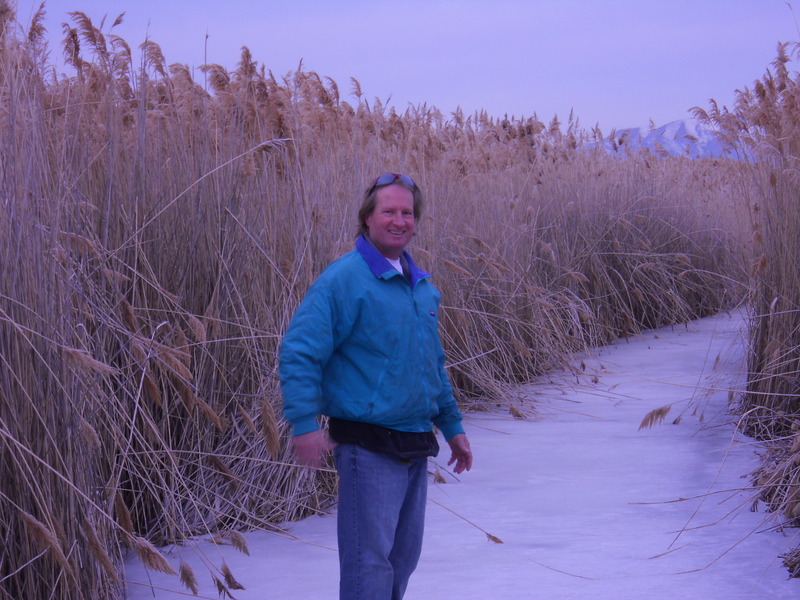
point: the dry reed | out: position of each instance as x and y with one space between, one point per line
158 235
763 125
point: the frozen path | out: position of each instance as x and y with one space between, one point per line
586 505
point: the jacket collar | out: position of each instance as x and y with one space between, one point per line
381 267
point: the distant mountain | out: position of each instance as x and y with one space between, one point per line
679 138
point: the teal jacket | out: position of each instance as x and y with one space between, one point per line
364 346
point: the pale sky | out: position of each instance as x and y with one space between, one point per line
616 63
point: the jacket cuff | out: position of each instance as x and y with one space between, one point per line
305 425
450 429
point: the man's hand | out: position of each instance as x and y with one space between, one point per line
461 453
310 448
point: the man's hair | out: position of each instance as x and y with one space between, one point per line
371 198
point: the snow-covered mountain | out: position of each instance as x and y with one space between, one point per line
678 138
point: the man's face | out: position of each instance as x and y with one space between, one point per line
391 223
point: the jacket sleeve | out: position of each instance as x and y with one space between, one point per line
305 350
449 418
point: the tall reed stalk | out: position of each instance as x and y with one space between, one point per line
765 124
157 237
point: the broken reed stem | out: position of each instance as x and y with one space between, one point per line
260 146
489 536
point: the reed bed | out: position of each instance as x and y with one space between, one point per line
157 235
765 125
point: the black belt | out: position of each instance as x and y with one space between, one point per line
402 444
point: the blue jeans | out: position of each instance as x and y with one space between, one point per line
380 522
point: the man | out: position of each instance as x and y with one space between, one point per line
363 348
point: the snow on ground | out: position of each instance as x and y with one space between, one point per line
586 504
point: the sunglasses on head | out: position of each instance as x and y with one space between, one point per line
390 178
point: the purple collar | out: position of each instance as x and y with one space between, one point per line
381 267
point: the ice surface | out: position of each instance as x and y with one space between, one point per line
586 504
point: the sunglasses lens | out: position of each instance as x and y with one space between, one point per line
390 178
385 179
407 180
